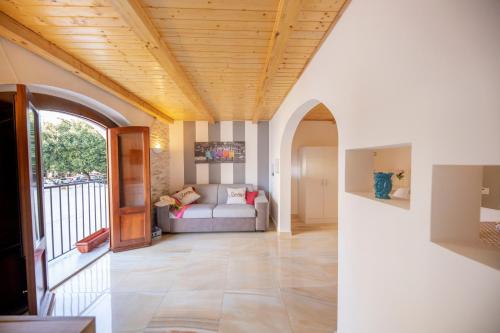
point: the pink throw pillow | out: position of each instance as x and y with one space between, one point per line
250 197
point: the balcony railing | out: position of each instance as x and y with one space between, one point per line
72 212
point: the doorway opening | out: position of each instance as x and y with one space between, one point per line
75 190
73 149
314 186
314 172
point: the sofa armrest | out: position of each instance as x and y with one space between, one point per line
163 217
262 208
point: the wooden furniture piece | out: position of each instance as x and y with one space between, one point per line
29 324
130 189
23 246
318 184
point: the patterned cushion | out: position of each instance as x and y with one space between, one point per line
186 196
236 196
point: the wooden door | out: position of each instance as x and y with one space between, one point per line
129 181
31 203
330 175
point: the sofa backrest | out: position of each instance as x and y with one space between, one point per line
222 195
215 193
208 192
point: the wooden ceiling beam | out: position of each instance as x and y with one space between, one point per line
286 16
138 19
19 34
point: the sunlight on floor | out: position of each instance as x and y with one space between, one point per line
218 282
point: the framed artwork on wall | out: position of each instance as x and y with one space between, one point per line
219 152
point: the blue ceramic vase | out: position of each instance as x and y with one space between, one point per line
383 184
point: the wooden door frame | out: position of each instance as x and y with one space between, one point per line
56 104
114 187
25 204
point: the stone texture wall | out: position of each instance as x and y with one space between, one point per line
159 161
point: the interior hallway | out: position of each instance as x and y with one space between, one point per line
219 282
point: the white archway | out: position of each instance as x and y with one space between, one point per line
285 154
94 104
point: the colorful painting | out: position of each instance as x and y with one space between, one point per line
219 152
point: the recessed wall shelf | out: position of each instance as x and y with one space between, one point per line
362 163
460 211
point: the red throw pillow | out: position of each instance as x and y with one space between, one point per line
250 196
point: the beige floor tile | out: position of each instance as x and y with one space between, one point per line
253 313
201 274
154 280
75 303
251 273
117 312
326 246
259 292
324 294
251 247
308 315
306 271
214 282
176 330
189 310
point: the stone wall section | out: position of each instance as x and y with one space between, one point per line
159 160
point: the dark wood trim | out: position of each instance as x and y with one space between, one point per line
24 190
22 104
57 104
47 303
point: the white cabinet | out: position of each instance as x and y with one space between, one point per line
318 184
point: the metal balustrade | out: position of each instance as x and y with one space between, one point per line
72 212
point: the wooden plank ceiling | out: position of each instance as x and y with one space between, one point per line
223 49
319 113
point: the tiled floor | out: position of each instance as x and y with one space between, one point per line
73 261
221 282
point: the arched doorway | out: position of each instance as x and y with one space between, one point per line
75 187
285 158
320 246
314 172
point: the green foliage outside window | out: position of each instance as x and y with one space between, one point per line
72 147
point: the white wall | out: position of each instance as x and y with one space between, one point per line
18 65
312 134
396 71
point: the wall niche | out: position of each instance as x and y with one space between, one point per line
361 164
465 211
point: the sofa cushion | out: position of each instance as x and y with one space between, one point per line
222 195
236 196
224 210
250 197
208 192
186 196
197 211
